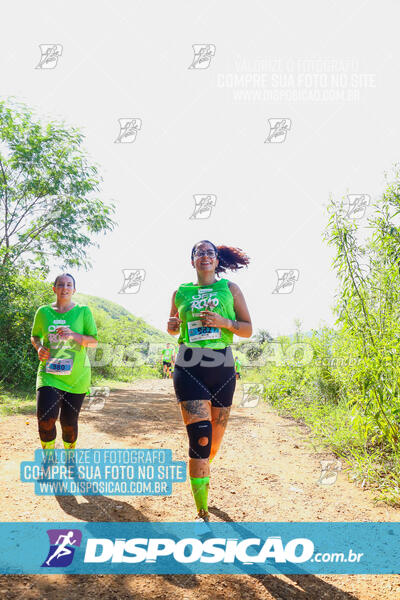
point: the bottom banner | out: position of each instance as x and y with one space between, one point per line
202 548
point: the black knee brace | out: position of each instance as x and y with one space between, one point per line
195 432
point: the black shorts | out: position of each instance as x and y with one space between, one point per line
165 362
205 374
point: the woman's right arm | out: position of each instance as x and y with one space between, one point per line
36 339
43 352
174 321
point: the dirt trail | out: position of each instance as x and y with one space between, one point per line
266 470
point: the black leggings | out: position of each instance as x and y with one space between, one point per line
205 374
49 401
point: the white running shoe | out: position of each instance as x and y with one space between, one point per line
203 516
201 523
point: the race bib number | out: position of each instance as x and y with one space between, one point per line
59 366
198 333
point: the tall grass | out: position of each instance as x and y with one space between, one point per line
349 392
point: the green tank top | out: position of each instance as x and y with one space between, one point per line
190 299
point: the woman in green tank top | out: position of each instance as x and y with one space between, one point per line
206 313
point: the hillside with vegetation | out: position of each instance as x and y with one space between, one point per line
117 312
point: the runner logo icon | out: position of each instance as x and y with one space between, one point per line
278 129
356 205
50 53
286 280
203 54
128 129
62 542
132 280
204 204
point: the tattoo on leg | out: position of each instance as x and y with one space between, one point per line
196 407
223 416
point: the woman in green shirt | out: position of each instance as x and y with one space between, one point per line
61 332
206 314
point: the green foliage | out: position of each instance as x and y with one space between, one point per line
117 312
21 293
368 323
250 351
47 208
349 393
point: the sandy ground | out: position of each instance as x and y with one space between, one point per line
266 470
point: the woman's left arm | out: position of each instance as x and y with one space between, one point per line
65 333
89 326
241 326
85 340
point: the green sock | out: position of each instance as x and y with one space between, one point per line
48 445
69 445
200 491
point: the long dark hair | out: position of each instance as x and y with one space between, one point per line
229 257
62 275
